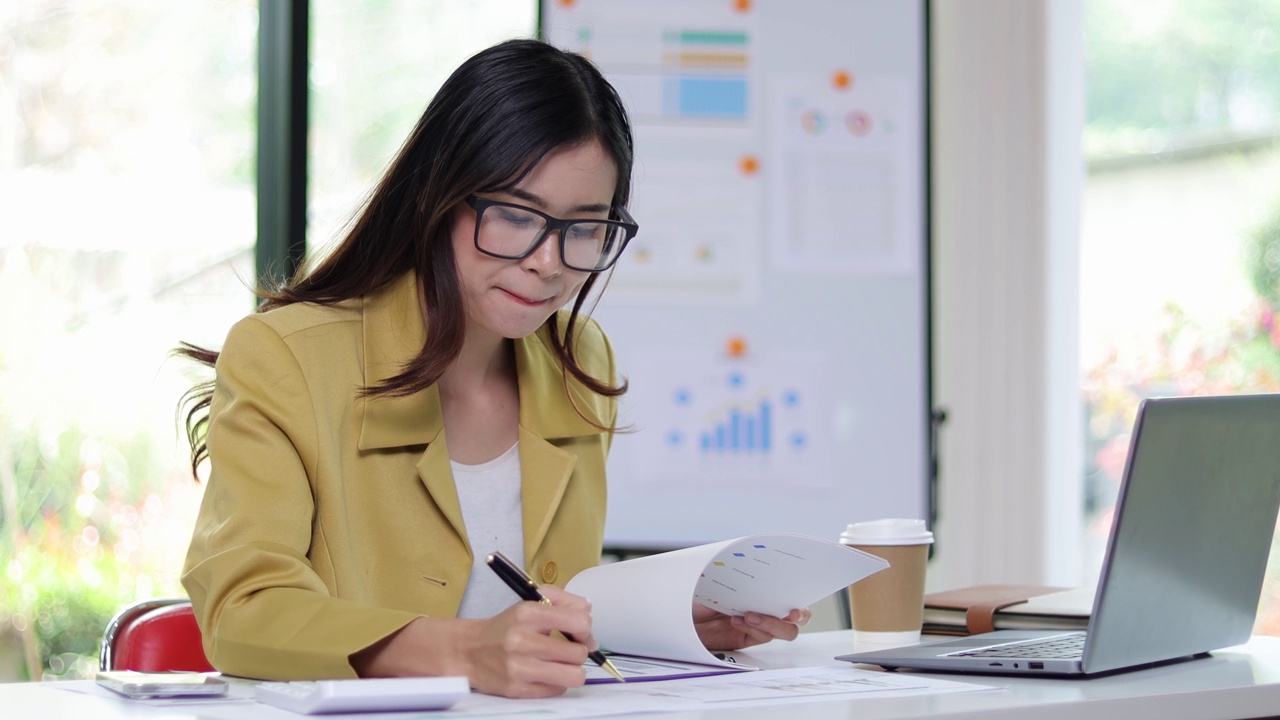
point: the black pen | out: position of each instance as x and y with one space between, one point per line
527 589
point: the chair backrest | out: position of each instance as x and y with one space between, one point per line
154 636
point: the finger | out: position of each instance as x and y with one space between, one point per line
546 619
749 635
771 626
562 598
567 600
587 640
557 649
532 677
522 647
529 691
799 616
558 675
702 613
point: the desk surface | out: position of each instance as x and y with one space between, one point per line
1240 682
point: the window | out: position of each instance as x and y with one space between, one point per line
1180 241
127 172
126 168
373 70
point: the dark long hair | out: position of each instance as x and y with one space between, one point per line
489 125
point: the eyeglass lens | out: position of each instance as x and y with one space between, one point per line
511 232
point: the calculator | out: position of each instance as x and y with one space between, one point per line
311 697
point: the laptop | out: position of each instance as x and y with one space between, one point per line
1185 560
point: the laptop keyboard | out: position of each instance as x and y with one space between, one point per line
1057 647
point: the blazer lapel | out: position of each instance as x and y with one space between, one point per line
546 413
437 475
393 334
545 470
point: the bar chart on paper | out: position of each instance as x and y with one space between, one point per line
758 421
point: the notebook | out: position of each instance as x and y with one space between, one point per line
1185 560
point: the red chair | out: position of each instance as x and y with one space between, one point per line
154 636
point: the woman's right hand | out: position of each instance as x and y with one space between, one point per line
513 654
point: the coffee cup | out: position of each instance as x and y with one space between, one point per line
887 607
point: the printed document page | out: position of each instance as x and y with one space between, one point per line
644 607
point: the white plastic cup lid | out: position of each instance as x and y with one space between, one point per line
889 531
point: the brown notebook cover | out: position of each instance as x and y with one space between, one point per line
979 603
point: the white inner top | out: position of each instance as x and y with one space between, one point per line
491 509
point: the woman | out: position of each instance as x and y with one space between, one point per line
420 399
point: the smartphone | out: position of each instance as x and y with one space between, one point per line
133 684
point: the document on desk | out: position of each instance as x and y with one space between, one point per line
644 607
754 689
794 684
764 687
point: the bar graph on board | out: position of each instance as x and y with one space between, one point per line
741 430
759 421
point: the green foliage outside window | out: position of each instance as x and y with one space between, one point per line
76 516
1170 82
1264 263
1162 74
126 170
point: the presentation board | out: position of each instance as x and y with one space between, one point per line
771 316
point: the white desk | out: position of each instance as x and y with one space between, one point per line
1241 682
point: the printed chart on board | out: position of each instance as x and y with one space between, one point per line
685 71
736 423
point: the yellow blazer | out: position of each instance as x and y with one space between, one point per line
330 521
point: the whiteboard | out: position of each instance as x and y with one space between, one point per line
771 315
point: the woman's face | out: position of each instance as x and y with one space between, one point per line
513 298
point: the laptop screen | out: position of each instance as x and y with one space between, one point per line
1193 526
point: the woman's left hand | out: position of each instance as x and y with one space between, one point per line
731 632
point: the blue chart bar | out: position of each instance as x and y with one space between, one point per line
741 432
705 97
766 427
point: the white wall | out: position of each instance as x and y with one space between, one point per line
1007 104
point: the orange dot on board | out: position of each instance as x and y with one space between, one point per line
742 5
566 3
736 346
841 80
749 165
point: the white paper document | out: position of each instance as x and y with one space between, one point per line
765 687
644 607
793 684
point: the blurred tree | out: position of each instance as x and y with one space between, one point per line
91 79
1262 254
1162 73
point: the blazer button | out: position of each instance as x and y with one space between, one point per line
550 572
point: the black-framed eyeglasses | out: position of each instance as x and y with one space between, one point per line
513 232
